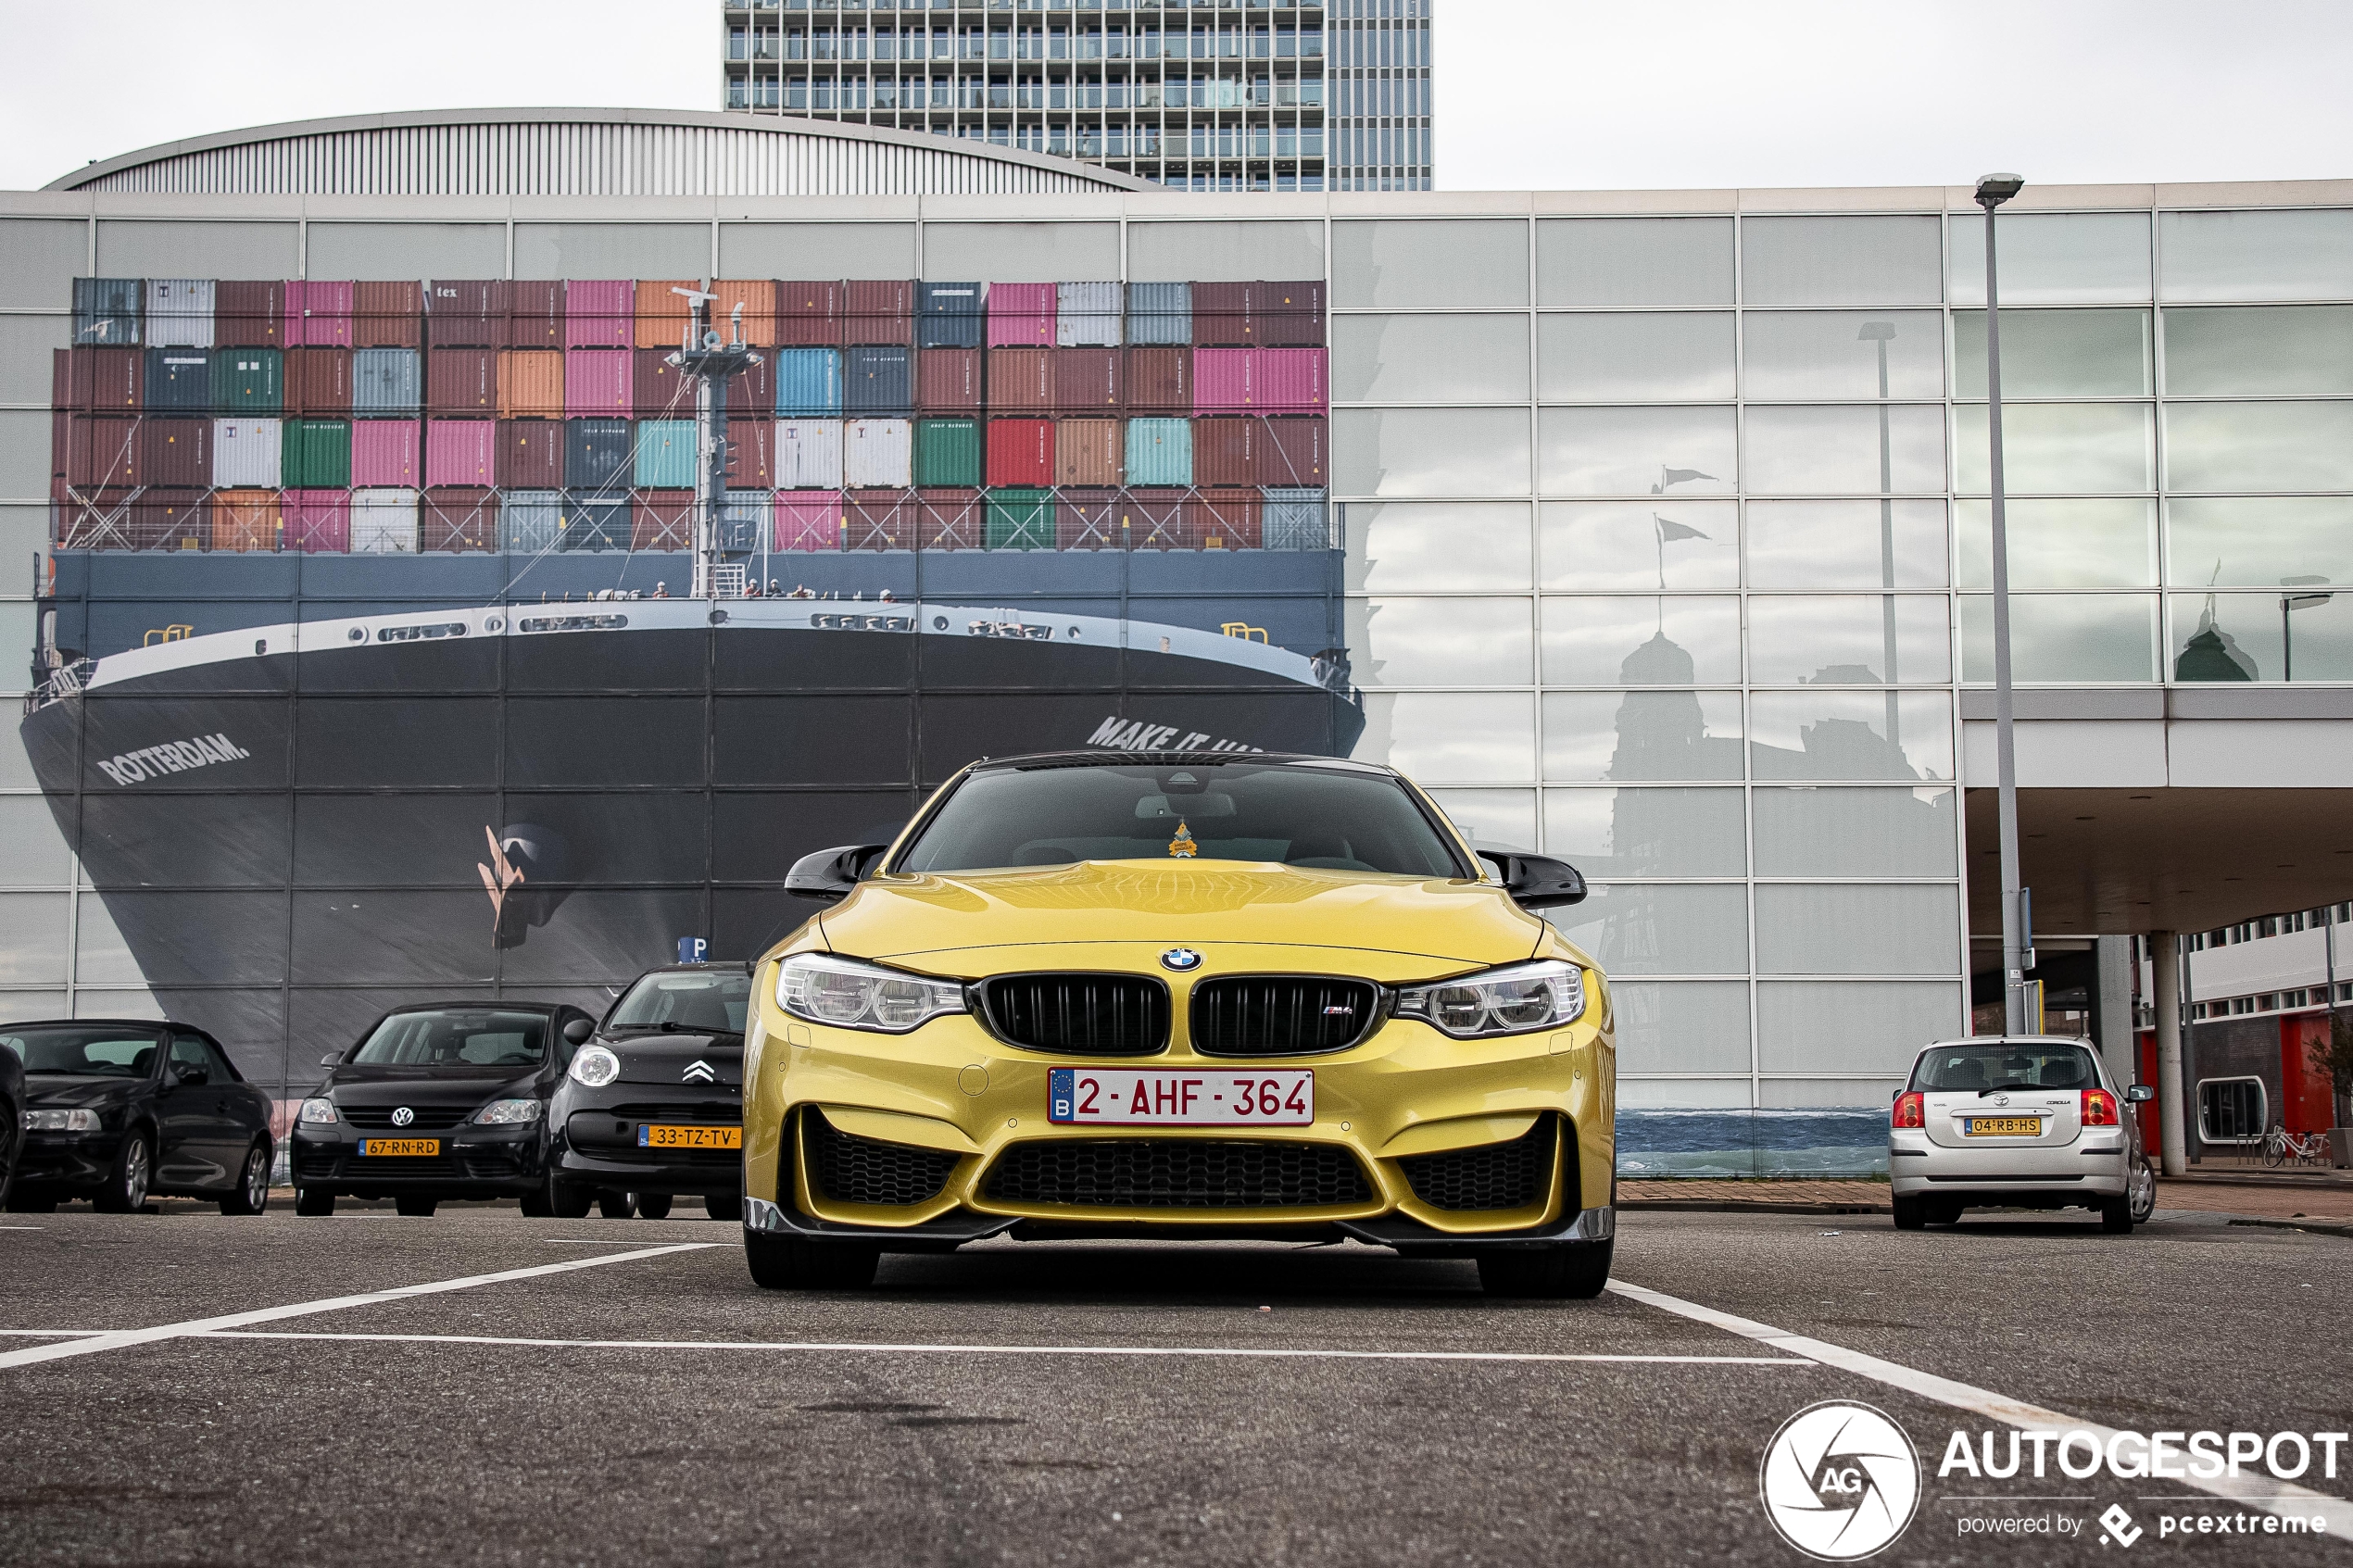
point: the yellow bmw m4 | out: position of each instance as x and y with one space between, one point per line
1180 996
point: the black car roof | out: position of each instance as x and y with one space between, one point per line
104 1023
1102 759
481 1004
744 964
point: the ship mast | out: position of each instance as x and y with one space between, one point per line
710 363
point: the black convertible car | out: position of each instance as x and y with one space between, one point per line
116 1109
653 1104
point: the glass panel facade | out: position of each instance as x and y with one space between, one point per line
2231 255
1403 265
1804 355
2258 445
1855 449
1634 261
1433 451
2106 541
1672 546
2057 448
1656 640
1683 1027
1383 358
2299 633
2248 541
1612 834
1637 451
1838 736
1849 640
1679 356
2260 351
1456 641
1634 736
1430 547
2092 638
1857 928
2056 354
1841 261
1661 929
1883 544
2054 258
1861 832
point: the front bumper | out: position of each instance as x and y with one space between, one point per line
63 1162
2094 1166
474 1161
595 1141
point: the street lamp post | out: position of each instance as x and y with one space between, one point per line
1993 190
1879 334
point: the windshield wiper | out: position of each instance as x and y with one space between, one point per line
671 1026
1996 1088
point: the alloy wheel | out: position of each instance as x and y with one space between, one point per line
257 1178
135 1174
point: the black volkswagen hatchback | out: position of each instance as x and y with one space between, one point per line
654 1103
444 1100
117 1108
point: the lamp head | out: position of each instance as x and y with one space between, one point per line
1876 332
1993 190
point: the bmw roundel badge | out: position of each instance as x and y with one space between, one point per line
1180 960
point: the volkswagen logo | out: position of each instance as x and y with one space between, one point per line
403 1116
1181 960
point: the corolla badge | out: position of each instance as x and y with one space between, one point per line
699 1073
403 1116
1180 960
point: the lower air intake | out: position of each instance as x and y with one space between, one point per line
848 1168
1178 1173
1495 1175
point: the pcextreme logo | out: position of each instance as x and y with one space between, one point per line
1840 1481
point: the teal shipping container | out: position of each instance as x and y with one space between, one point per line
1020 520
948 453
1160 452
316 455
808 384
248 381
665 455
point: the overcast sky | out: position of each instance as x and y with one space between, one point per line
1631 93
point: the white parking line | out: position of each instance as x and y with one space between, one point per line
2258 1492
56 1333
858 1347
123 1339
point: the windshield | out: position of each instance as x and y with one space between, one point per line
1298 816
2009 1064
447 1037
713 1003
109 1051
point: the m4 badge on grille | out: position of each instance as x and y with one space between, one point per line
699 1073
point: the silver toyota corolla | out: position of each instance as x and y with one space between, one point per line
2017 1121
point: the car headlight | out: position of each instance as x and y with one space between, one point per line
318 1111
60 1121
1511 1000
850 995
509 1112
595 1067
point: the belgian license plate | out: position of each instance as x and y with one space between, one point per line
1116 1097
400 1146
653 1136
2001 1126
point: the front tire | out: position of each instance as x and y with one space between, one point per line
253 1183
126 1189
616 1204
1911 1213
311 1202
1571 1272
415 1207
566 1201
724 1206
653 1205
2116 1215
783 1262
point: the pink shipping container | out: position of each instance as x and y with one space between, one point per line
1021 315
383 452
319 521
461 452
600 314
1289 381
809 520
319 314
597 381
1225 380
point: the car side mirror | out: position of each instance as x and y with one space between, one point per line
332 1059
831 874
1537 882
578 1031
2140 1094
190 1074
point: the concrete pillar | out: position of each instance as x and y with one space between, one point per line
2112 1008
2165 963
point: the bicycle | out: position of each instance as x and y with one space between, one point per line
2282 1147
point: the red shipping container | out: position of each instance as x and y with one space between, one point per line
466 313
453 519
531 454
1160 381
319 521
461 452
878 311
1289 381
661 315
1288 315
385 452
249 314
948 380
1021 378
758 297
531 383
599 313
809 520
318 380
1155 519
1087 381
808 315
660 392
1224 379
461 381
1021 315
1086 519
1021 452
319 314
96 380
950 520
1226 450
663 521
1294 452
597 382
174 452
535 314
1087 452
880 519
1221 315
1225 520
751 453
61 425
102 450
170 520
387 315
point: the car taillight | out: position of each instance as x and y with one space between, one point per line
1911 1111
2099 1109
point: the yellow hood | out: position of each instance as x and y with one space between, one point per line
917 918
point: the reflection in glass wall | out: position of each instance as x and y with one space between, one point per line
1841 261
2107 542
2255 351
2258 541
1437 452
1843 354
1849 640
1634 261
1454 641
2258 445
2061 448
1634 736
1672 546
2277 255
1883 543
1683 356
2054 258
2056 354
1451 738
1634 928
2296 633
1838 832
2095 639
1611 834
1435 546
1637 451
1457 358
1653 641
1851 1026
1681 1027
1841 736
1500 818
1847 450
1392 265
1812 928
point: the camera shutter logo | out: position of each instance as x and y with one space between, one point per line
1840 1481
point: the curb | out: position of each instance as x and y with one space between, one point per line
2275 1179
1733 1206
2320 1227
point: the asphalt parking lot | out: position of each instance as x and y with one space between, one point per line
617 1392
